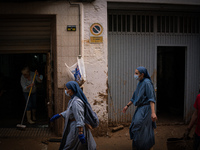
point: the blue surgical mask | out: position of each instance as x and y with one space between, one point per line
136 77
66 93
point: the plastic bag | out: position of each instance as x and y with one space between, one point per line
82 68
77 71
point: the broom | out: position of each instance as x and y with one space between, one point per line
21 126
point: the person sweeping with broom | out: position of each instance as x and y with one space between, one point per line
27 81
143 122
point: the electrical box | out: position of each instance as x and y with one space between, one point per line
71 28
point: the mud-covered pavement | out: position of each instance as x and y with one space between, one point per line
114 141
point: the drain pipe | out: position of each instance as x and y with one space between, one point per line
80 54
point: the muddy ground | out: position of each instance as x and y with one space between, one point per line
113 141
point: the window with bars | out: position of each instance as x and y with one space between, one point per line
145 23
130 23
178 24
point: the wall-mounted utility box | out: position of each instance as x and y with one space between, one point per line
71 28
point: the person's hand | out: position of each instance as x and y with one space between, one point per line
186 134
32 84
82 138
55 117
40 77
153 117
124 109
37 73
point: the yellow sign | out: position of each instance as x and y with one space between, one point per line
71 29
96 39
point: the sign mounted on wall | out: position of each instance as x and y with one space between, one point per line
96 31
71 27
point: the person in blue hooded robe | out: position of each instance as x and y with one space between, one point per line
76 135
143 122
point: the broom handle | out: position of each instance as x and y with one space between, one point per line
32 82
28 98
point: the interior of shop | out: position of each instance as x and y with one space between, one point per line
12 101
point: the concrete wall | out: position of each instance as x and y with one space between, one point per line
95 56
67 41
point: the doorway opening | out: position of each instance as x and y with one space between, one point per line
170 83
12 101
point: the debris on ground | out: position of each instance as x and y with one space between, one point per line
117 128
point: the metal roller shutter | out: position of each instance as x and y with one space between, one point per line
133 39
25 34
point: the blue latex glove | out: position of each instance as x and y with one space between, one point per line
55 117
82 138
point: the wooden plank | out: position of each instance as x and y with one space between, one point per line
64 107
49 87
117 128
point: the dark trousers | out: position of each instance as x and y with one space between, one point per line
32 101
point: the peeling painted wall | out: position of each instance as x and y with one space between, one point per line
95 56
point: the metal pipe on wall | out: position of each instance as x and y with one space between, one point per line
80 54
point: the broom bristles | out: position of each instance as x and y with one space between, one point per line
21 126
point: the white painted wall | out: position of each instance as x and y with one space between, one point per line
95 56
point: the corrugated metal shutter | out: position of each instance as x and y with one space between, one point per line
133 39
25 34
126 51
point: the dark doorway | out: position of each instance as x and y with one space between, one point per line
170 83
12 101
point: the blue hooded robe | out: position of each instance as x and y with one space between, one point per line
142 127
75 111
